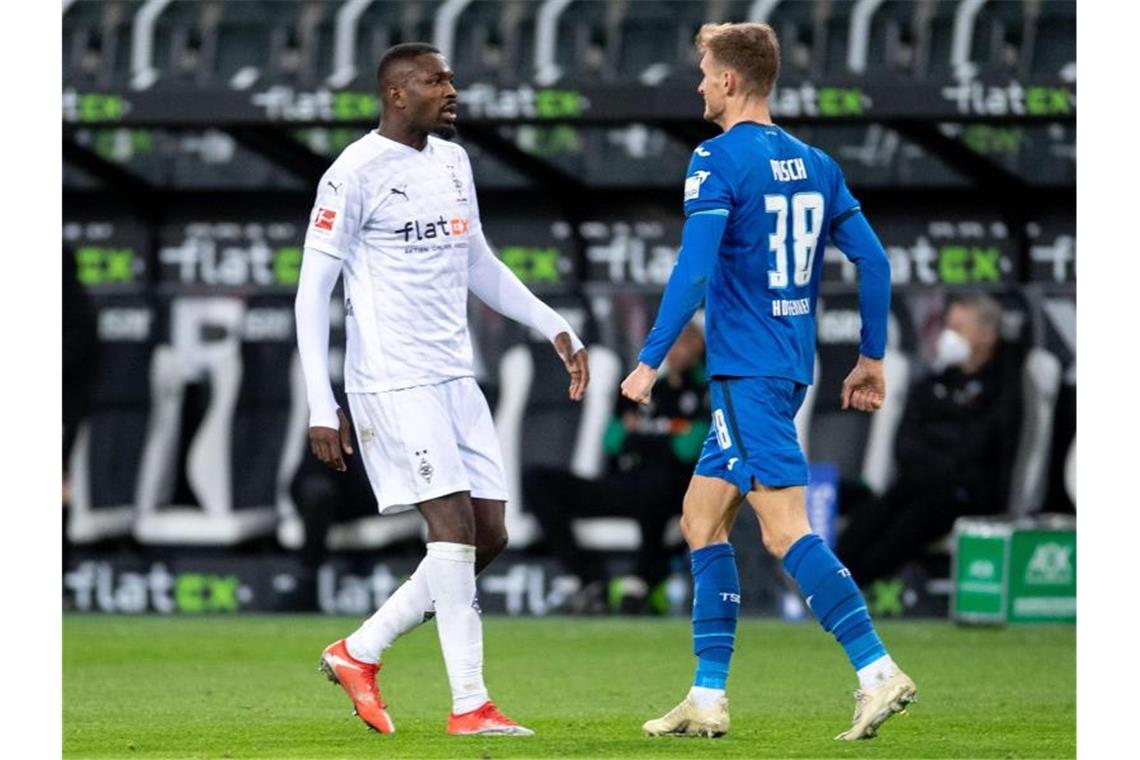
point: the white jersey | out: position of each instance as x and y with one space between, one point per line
401 220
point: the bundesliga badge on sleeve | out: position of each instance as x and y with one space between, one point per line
325 219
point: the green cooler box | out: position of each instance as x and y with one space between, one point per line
1022 571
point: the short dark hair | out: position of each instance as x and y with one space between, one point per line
402 52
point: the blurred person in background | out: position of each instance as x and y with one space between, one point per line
954 451
651 450
324 497
397 215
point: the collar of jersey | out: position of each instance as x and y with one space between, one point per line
399 145
753 123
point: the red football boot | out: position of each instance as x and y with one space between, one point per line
358 679
486 720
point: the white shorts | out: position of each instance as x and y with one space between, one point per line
425 442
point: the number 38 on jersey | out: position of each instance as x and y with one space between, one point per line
806 224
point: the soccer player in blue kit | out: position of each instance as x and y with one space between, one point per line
760 206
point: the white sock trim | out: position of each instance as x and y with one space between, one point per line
451 551
704 697
878 671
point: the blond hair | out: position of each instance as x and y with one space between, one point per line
752 50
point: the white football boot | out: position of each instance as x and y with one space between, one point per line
687 719
874 706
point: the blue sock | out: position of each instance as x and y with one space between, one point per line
834 599
716 606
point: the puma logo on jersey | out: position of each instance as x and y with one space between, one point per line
399 191
702 152
336 186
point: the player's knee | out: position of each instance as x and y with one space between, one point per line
488 547
492 546
453 526
778 542
700 533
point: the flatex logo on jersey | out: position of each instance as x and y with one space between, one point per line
439 228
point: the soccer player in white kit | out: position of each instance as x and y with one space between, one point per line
396 214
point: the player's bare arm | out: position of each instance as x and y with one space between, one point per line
330 446
638 384
576 362
865 387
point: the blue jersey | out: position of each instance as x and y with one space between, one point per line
782 199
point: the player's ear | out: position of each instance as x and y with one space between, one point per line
728 79
395 96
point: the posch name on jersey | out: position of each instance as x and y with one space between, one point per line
786 170
795 307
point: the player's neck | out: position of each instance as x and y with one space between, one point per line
749 110
404 134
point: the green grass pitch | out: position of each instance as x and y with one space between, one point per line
236 687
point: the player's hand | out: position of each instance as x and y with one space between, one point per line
577 365
638 385
328 444
865 388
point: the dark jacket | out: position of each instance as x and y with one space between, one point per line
958 437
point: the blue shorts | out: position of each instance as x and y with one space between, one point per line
753 433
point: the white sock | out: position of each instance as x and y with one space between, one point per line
878 671
704 697
451 578
405 609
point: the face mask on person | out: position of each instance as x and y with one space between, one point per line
952 350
